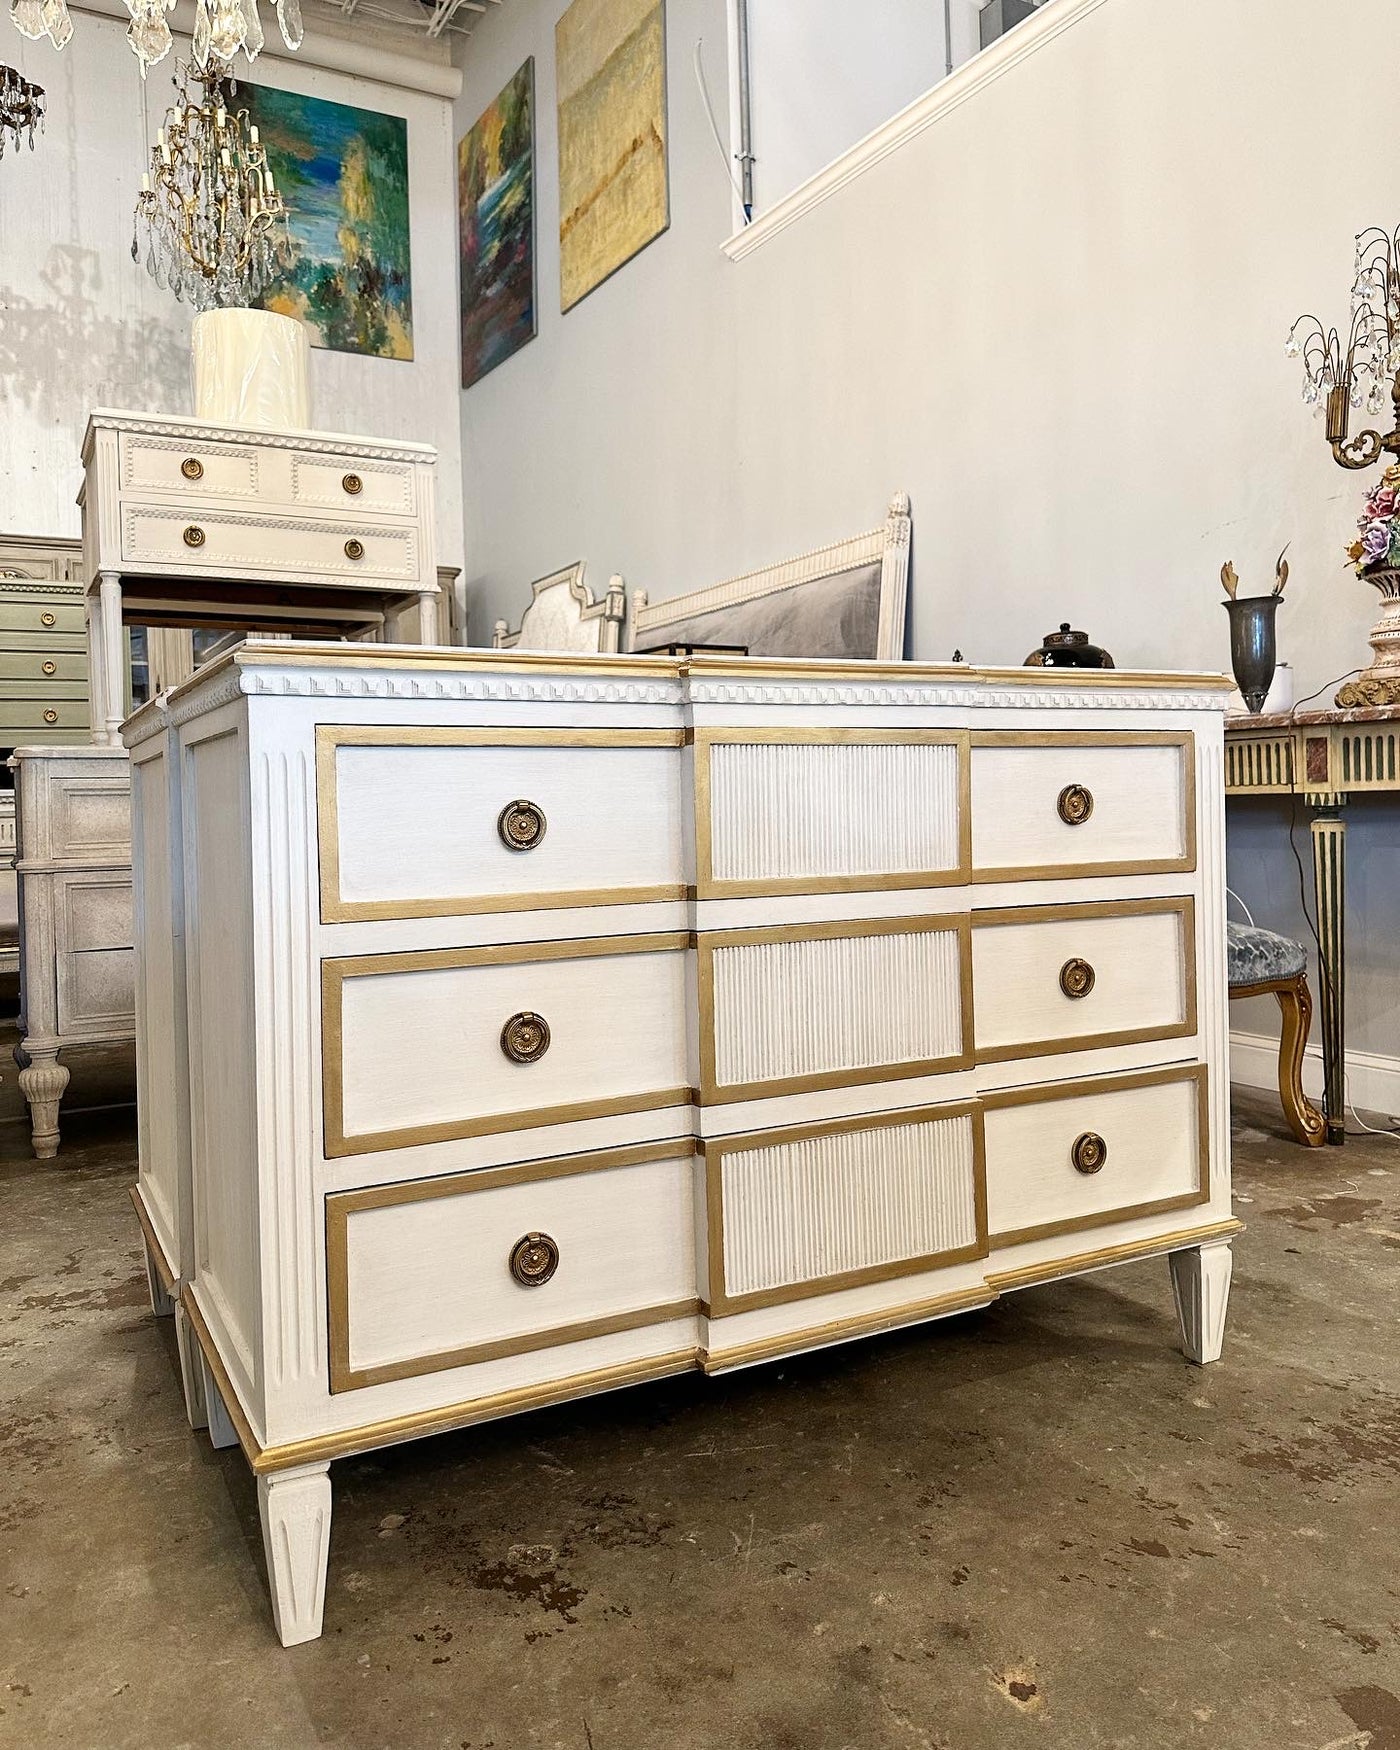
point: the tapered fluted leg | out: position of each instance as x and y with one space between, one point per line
43 1083
1201 1285
191 1369
1329 836
221 1429
162 1304
295 1507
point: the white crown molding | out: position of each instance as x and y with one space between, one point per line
194 431
941 100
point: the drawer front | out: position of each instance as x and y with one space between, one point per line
801 1007
33 718
61 646
1072 977
420 1275
88 820
346 484
828 810
415 822
96 914
822 1207
54 673
1047 805
41 616
1045 1178
198 471
431 1047
198 541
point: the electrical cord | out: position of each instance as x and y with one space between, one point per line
714 126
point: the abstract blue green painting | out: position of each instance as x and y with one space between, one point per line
343 173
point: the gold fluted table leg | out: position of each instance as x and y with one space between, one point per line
1329 836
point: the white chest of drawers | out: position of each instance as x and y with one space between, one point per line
541 1027
183 518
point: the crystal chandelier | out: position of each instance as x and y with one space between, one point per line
222 28
1337 381
211 221
21 109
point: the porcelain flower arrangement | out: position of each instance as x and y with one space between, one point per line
1379 543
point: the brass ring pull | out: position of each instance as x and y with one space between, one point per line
521 825
533 1260
353 485
194 536
525 1037
51 716
1076 978
50 667
46 619
1075 804
192 468
354 549
1089 1153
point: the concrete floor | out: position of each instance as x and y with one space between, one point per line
1035 1525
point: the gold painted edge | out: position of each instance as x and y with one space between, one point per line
360 911
168 1277
786 1343
1029 1275
252 1450
508 953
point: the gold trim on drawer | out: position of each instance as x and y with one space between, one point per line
1089 740
707 887
719 1302
713 1092
1036 1096
335 972
336 910
341 1205
1109 908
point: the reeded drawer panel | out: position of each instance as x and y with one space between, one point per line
36 716
445 822
433 1046
53 673
222 541
821 1207
1083 1154
611 1239
199 471
42 616
828 1005
1064 804
1071 977
347 484
828 810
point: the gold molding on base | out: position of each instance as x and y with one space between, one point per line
337 910
871 1324
1030 1275
169 1279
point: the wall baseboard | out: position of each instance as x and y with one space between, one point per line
1373 1080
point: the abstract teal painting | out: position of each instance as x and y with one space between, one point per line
343 173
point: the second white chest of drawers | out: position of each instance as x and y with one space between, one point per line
554 1025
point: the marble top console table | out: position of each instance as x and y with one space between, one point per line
1323 757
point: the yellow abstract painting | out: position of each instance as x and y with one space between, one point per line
611 67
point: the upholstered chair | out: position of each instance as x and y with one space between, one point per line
1260 962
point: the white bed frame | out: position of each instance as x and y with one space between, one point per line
887 545
563 615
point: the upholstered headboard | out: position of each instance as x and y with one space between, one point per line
563 615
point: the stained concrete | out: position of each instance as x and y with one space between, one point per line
1036 1525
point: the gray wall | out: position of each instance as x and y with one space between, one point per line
1056 318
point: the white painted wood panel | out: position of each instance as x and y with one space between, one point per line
1153 1153
1139 805
781 810
154 464
385 488
418 823
625 1238
835 1003
819 1206
1139 967
261 542
423 1048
